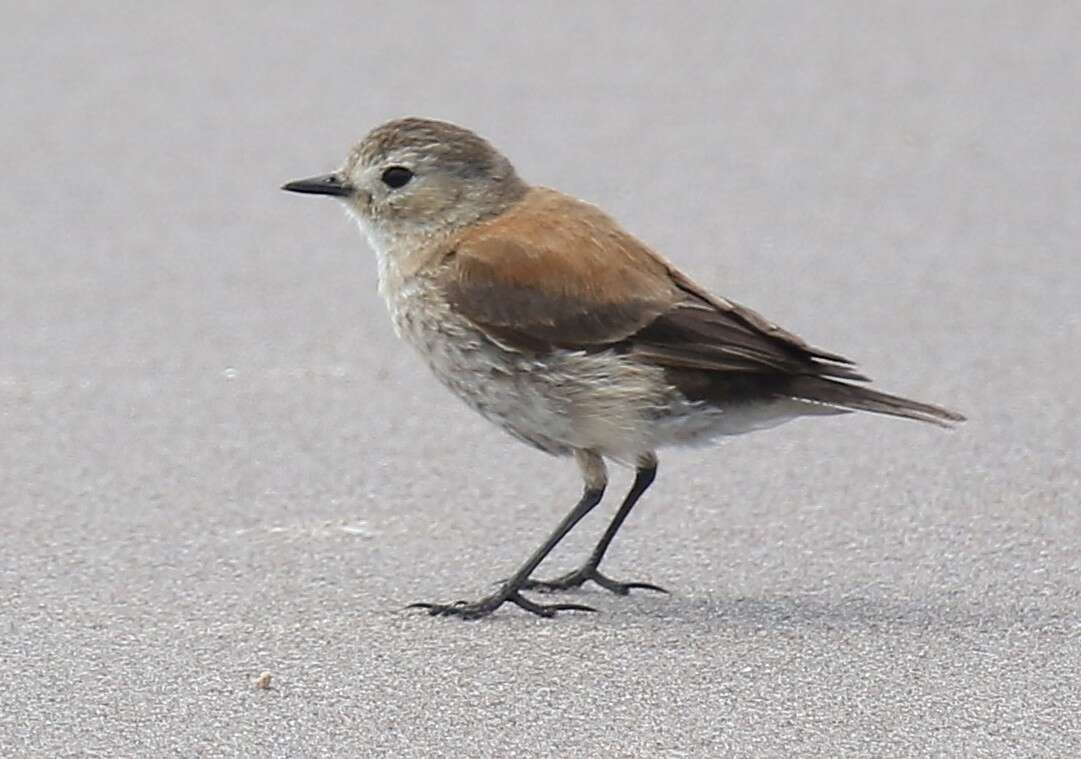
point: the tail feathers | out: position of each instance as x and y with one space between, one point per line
821 390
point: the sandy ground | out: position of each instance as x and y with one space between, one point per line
217 461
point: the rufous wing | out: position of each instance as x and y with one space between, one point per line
556 273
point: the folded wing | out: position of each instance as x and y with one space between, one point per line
585 284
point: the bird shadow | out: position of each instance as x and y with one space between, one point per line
815 611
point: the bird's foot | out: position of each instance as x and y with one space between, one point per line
579 576
488 604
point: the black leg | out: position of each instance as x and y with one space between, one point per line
643 479
509 591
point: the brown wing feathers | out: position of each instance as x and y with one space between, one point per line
697 333
582 283
579 311
585 284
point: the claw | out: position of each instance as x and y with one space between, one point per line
549 610
486 606
579 577
648 586
624 588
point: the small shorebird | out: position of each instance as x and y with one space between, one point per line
544 315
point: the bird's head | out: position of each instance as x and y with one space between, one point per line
415 178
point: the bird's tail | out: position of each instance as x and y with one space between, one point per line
821 390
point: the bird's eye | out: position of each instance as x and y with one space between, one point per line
396 176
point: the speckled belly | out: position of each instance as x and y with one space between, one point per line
602 401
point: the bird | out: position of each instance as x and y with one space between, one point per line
549 319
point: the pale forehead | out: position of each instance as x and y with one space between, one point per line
435 140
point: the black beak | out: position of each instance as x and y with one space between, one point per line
327 184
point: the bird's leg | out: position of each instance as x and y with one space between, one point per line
644 476
596 478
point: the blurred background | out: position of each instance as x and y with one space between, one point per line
216 459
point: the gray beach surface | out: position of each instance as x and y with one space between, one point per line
216 460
